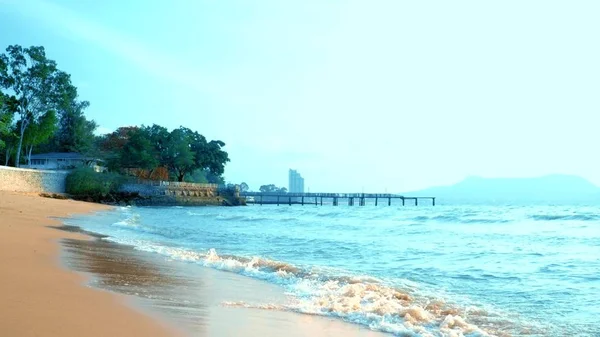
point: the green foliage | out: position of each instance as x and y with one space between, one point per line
39 131
203 176
272 189
36 83
138 152
84 182
185 153
75 132
50 117
6 116
198 176
244 187
8 133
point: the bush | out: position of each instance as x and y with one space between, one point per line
85 183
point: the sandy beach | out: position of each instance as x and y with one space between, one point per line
42 299
45 272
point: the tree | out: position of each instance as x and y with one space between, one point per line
186 151
6 116
8 136
271 188
244 187
138 152
39 132
75 132
35 82
159 137
112 144
180 158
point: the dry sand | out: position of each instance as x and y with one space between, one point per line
39 298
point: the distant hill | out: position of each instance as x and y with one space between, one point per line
551 188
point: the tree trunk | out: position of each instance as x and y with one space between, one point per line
7 155
29 155
24 124
19 147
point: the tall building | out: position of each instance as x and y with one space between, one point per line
296 182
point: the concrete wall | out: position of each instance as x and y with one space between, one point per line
27 180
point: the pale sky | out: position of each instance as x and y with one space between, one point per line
356 95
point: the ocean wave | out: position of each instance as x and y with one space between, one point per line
573 217
357 299
133 220
483 221
464 219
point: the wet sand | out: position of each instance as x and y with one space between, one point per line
196 298
39 298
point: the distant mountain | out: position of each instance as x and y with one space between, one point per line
551 188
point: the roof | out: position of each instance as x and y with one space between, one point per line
60 155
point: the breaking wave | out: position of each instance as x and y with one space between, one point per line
364 300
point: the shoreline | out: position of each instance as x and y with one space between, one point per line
63 280
199 300
42 298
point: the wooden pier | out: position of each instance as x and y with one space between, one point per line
317 198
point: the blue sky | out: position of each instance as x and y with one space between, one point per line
356 95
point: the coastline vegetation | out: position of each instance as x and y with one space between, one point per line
41 112
84 183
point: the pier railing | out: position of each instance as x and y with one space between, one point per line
317 198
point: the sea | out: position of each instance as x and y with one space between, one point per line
448 270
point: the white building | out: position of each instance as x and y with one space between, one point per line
296 182
63 161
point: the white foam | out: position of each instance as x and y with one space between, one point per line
362 300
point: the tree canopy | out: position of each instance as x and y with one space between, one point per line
40 111
182 151
36 86
271 188
6 117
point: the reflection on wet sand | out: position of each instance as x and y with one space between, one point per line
191 297
154 286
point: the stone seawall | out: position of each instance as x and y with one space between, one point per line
27 180
181 195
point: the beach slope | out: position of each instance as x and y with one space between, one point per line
39 298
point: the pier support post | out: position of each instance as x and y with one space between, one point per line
302 201
416 201
375 201
402 201
277 200
290 201
321 201
432 201
389 201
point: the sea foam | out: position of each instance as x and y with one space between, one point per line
362 300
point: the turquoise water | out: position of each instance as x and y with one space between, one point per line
414 271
